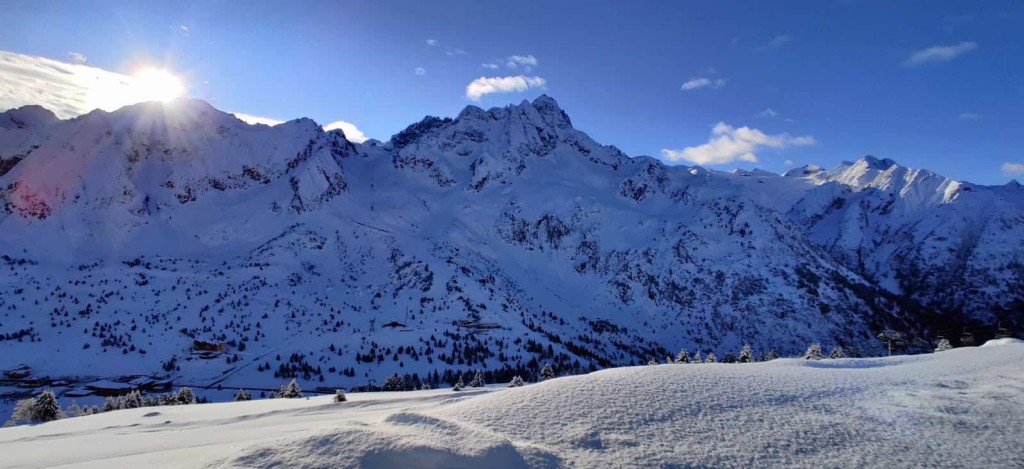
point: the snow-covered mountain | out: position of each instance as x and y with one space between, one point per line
144 240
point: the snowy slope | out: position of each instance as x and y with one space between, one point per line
963 407
500 240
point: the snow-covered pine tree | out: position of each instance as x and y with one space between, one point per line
186 396
459 385
478 380
547 372
339 396
75 411
697 358
837 353
944 345
813 352
290 391
242 395
683 357
516 382
746 354
22 412
711 358
394 383
652 362
770 355
46 408
110 404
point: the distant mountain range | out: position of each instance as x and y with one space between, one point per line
176 239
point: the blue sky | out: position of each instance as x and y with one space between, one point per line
938 85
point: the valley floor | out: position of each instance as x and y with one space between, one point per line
963 407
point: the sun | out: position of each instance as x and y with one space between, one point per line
153 84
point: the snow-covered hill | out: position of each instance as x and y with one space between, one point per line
963 407
175 240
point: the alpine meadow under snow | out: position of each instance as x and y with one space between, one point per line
958 408
169 245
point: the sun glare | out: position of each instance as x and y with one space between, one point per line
153 84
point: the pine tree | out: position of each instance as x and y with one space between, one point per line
516 382
697 358
22 412
75 411
459 385
769 355
478 380
652 362
547 372
242 395
394 383
339 396
185 396
711 358
46 408
944 345
109 404
747 354
291 391
837 353
683 357
813 352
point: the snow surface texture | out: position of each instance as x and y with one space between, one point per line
963 407
498 238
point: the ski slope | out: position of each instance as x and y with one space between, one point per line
956 408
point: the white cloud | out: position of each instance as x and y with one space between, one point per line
67 89
420 71
1013 168
253 120
777 42
939 53
969 116
487 85
432 42
768 112
455 51
728 144
352 133
77 57
514 61
183 27
788 162
702 82
490 66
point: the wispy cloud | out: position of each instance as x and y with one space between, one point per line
183 28
1013 169
490 66
939 53
454 52
77 57
488 85
768 112
67 89
969 116
514 61
352 133
777 42
420 71
729 144
703 82
432 42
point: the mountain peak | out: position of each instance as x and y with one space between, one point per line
26 116
879 164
